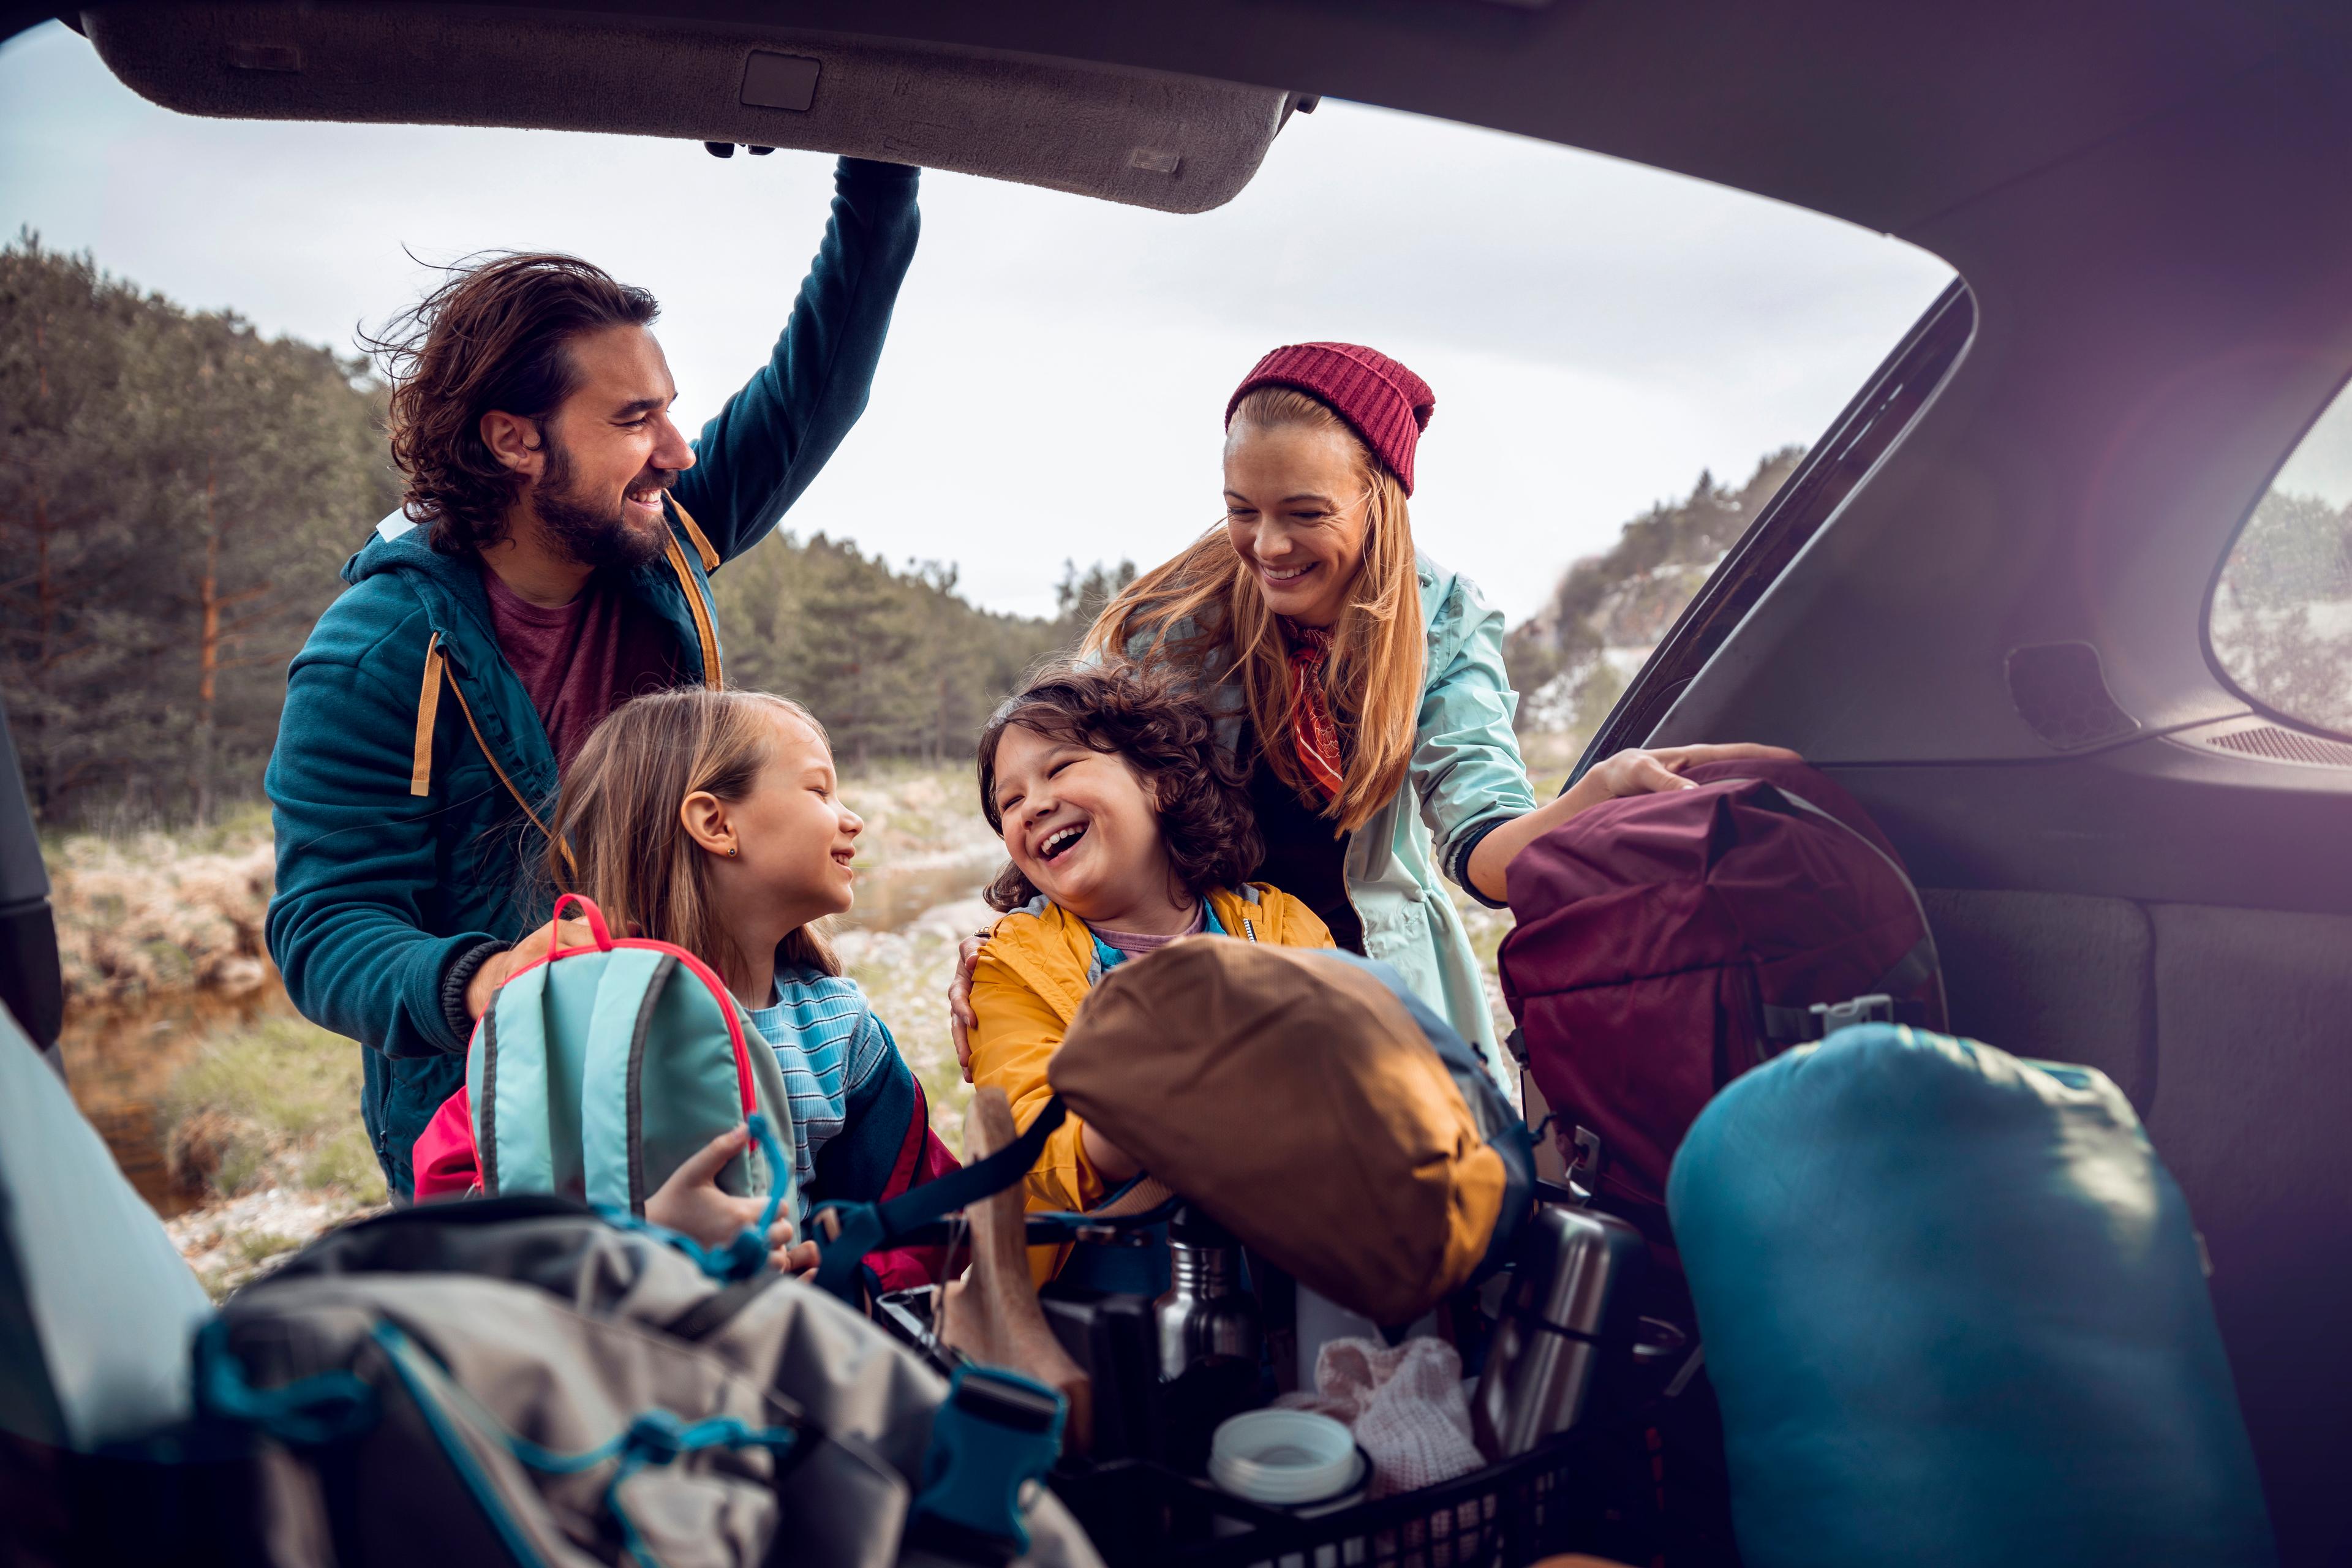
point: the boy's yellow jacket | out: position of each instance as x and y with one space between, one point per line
1026 986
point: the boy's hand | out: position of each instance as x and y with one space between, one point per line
691 1204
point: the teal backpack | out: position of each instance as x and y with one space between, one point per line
600 1069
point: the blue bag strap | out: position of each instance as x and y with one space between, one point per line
857 1229
325 1407
656 1436
612 1105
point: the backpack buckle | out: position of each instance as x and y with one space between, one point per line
1875 1008
1584 1170
845 1234
996 1433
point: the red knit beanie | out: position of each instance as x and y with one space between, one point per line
1382 401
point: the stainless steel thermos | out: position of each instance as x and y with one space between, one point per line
1568 1315
1209 1334
1207 1314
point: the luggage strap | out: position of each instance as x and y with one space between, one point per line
1912 972
846 1232
995 1433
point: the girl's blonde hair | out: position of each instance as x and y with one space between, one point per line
619 813
1372 679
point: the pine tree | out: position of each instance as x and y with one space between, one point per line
175 497
77 413
269 479
853 635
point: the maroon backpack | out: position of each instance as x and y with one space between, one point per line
1666 943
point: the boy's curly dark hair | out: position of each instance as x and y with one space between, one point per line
495 334
1166 733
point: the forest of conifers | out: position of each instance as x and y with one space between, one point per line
178 495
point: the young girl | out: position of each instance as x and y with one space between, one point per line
1126 828
713 820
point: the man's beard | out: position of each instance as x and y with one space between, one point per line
591 535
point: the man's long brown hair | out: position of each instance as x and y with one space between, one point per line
494 336
619 812
1372 678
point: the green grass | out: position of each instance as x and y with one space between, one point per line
239 823
275 1102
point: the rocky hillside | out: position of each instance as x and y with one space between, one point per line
1572 658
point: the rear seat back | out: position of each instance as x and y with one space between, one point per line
2073 973
2228 1030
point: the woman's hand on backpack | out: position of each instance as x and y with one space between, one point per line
1653 773
501 967
1627 773
962 1019
691 1204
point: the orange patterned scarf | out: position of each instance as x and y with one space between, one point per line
1312 731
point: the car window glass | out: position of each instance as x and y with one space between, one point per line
2281 620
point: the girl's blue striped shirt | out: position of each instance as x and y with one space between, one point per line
829 1045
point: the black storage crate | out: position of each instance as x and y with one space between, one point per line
1583 1491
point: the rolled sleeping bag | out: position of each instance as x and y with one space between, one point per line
1955 1314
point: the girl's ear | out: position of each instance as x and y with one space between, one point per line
704 816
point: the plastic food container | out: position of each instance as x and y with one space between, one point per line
1287 1459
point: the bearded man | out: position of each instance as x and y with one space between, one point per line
551 560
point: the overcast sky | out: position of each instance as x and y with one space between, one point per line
1597 332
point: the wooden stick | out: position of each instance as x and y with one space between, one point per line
991 1314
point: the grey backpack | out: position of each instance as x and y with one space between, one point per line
567 1390
497 1381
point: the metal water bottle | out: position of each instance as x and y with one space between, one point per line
1571 1312
1210 1336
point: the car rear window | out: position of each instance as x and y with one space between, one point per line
2280 623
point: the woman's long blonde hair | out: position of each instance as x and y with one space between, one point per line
1372 679
619 813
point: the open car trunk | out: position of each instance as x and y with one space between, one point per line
1980 607
1148 139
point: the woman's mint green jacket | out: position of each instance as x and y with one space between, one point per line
1466 779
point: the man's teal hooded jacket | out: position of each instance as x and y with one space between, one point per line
411 773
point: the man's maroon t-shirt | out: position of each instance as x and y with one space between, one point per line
581 660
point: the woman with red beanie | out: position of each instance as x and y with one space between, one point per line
1362 683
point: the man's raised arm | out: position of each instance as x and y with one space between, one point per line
755 457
